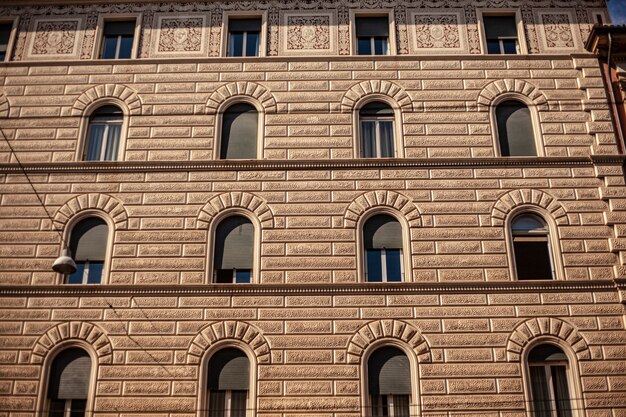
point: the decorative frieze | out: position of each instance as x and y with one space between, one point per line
308 33
52 38
436 31
556 30
180 35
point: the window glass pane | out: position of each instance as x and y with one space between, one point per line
394 265
364 46
493 46
94 143
377 405
76 277
541 395
5 34
239 132
380 46
95 272
57 408
561 391
372 26
386 139
113 140
400 406
235 45
78 408
126 47
252 44
374 265
497 27
515 129
224 276
217 403
238 403
528 222
109 46
509 46
532 259
243 276
368 139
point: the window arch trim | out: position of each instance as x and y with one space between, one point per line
256 259
573 373
534 118
553 239
203 399
219 122
67 237
414 408
85 127
48 360
406 241
398 137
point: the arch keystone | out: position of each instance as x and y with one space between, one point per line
509 201
382 87
245 89
100 202
496 88
390 199
246 201
118 91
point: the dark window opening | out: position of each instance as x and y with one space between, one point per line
239 132
515 129
228 381
531 247
389 383
501 34
88 245
377 130
117 39
5 36
103 136
68 386
244 37
549 374
372 34
382 241
234 251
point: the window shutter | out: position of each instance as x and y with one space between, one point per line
382 231
377 26
515 129
389 372
229 369
239 132
500 27
119 28
234 243
244 25
70 374
89 240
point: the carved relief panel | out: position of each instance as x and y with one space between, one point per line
557 31
308 33
53 38
183 35
437 31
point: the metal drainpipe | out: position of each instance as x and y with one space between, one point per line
618 124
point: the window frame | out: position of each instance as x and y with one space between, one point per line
44 379
234 15
553 242
219 121
521 37
366 404
67 236
86 127
203 397
572 373
534 117
406 265
256 258
14 22
391 41
117 17
397 125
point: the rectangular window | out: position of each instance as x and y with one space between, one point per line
244 37
501 34
117 39
377 139
5 37
372 35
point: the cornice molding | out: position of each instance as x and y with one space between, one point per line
303 289
220 165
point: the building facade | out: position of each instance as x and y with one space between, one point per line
322 208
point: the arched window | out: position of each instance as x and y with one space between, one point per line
376 130
88 246
68 384
234 251
382 243
239 132
389 383
549 382
515 129
228 383
103 136
531 246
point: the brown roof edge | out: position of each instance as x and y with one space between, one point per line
601 31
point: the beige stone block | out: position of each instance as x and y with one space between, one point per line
308 356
